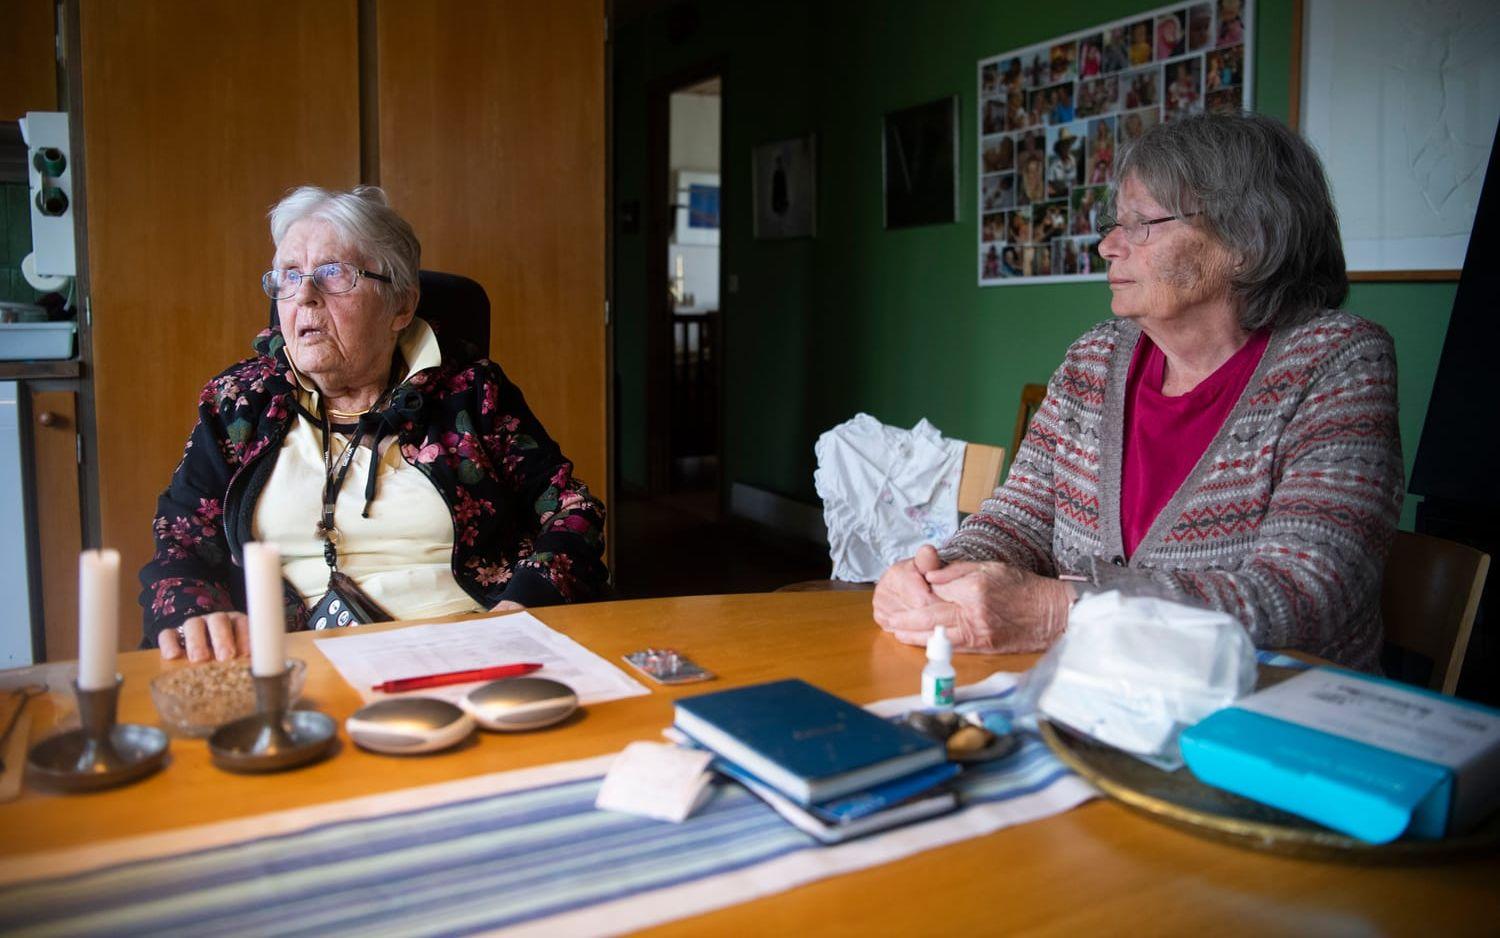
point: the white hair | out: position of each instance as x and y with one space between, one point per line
364 219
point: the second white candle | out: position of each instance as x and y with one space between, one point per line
98 618
267 614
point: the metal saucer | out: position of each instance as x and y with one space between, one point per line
55 762
409 725
521 703
253 744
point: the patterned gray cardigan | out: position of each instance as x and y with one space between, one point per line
1284 522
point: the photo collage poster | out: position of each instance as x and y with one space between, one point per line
1053 116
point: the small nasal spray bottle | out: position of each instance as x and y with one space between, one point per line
938 677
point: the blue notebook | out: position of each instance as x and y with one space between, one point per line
807 743
811 820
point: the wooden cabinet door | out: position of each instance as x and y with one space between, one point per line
27 51
59 527
198 115
492 144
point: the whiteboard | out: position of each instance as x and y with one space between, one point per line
1401 99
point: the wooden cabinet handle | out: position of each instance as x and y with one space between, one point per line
48 419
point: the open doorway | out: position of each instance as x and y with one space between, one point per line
692 296
676 237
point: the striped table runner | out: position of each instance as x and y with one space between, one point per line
524 851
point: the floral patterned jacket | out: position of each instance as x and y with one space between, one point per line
523 528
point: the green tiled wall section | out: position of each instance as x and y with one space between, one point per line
15 239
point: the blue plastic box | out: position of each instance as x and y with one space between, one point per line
1366 756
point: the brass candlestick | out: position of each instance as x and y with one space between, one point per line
100 753
273 738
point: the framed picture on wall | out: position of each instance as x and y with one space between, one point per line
785 188
1404 117
920 158
1054 117
697 206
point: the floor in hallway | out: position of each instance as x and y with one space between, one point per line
675 546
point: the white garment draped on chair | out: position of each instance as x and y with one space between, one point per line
886 491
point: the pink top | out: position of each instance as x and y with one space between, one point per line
1166 436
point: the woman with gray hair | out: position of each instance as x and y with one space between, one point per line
462 501
1229 439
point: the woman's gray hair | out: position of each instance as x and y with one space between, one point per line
1261 191
364 219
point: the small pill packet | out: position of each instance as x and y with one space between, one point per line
667 666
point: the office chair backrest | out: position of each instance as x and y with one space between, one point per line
1429 599
456 307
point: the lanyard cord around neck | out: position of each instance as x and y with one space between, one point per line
333 480
333 476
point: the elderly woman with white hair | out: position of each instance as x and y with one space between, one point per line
1229 439
397 484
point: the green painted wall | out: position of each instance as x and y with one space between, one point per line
891 322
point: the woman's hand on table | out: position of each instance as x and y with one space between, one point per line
216 636
903 586
506 605
990 607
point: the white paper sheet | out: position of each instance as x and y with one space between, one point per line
437 648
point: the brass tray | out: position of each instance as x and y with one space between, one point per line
1180 800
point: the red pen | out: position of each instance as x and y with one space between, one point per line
456 677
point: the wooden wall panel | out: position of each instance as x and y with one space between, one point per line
197 117
54 460
492 142
28 58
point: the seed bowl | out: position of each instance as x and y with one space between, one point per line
196 700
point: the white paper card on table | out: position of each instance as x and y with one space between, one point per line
657 781
437 648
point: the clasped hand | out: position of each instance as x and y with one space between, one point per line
987 606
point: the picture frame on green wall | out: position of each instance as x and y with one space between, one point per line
784 187
1055 115
1405 150
919 159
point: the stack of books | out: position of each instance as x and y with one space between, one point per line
828 766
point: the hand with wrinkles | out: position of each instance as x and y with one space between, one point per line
990 607
903 586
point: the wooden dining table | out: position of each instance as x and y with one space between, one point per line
1099 868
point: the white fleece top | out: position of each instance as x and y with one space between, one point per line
402 554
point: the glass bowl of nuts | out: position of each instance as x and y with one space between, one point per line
198 699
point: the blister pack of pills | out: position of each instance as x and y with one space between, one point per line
667 666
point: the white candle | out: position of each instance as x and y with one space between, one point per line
98 618
267 615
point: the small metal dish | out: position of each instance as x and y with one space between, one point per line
997 748
54 762
409 725
253 744
943 725
521 703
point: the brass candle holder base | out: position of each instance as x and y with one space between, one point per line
101 753
273 739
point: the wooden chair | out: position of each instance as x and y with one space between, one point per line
1032 396
1431 593
977 481
981 473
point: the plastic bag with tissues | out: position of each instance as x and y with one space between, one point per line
1133 672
